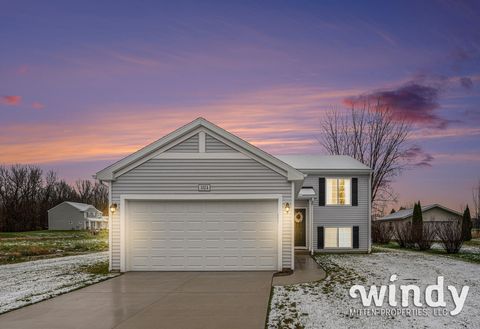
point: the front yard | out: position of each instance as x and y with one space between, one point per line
26 246
30 282
327 304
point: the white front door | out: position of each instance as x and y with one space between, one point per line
202 235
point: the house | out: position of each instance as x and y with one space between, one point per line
201 198
75 216
431 213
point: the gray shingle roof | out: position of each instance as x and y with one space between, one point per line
80 206
323 162
405 213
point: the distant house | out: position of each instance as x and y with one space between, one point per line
431 213
75 216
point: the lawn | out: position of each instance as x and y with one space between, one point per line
18 247
327 303
31 282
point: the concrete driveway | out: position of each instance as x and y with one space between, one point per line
155 300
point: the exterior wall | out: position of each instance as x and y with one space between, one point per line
213 145
182 176
188 146
59 218
439 215
342 216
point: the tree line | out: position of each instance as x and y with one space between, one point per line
27 193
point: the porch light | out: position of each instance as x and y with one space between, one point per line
287 207
113 208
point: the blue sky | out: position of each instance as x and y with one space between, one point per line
84 83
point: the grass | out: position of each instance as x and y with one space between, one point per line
338 277
97 268
472 257
18 247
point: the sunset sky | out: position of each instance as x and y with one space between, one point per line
85 83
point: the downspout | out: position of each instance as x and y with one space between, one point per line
290 218
310 214
370 212
110 225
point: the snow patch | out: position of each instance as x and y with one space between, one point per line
30 282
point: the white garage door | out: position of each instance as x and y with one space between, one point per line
202 235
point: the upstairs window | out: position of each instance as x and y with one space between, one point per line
338 191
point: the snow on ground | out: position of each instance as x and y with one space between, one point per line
465 248
327 304
30 282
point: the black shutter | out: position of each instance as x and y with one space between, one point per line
320 237
321 191
354 191
356 237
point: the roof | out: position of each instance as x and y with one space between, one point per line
77 205
149 151
323 162
405 213
306 192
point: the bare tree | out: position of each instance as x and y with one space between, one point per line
26 195
373 136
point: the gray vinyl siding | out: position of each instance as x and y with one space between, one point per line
187 146
182 176
66 217
213 145
342 216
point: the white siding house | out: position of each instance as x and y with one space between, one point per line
75 216
201 198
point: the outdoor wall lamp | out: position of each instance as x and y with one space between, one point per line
287 207
113 208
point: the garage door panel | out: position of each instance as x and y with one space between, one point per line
202 235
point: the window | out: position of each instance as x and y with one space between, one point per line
338 191
331 235
338 237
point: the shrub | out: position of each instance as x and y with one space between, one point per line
417 223
450 235
429 233
381 232
467 225
403 234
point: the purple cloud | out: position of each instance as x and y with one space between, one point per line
466 83
413 101
418 157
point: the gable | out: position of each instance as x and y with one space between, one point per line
191 142
188 146
213 145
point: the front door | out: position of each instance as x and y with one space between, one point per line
300 227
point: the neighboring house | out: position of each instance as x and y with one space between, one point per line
430 213
75 216
201 198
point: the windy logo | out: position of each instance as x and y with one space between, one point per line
377 296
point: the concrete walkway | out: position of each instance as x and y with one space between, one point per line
306 270
155 300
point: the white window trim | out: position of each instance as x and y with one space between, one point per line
128 197
338 237
326 192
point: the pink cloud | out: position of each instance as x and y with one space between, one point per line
22 70
38 106
11 100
